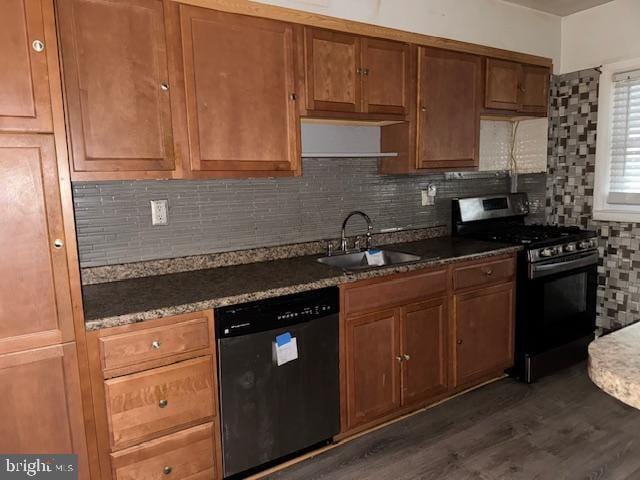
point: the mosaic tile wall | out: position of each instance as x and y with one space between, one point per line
571 158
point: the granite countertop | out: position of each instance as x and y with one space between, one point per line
138 299
614 364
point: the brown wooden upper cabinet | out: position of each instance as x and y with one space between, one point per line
516 87
449 93
350 74
27 43
35 304
240 86
117 85
535 89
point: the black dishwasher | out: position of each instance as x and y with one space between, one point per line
279 378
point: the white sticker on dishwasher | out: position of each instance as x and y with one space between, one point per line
285 349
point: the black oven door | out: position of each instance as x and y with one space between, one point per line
556 302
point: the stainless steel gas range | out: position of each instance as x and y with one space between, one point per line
557 281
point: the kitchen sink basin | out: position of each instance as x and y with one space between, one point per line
358 260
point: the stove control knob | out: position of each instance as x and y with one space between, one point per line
547 252
571 247
584 244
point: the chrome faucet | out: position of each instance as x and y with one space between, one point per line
343 238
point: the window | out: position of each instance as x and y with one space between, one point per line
617 187
624 183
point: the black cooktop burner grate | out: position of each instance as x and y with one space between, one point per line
530 234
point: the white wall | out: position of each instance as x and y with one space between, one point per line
605 34
485 22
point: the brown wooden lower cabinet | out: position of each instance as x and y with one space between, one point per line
145 404
395 358
187 455
425 350
409 348
41 410
373 366
156 411
483 323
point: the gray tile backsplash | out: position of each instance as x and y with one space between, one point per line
206 216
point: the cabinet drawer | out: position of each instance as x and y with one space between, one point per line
147 344
144 405
394 292
485 273
186 455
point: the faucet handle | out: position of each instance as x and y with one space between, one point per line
329 248
357 243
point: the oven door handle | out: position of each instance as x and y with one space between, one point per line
537 271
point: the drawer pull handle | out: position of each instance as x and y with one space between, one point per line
163 403
488 272
155 344
167 470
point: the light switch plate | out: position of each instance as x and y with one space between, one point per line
159 212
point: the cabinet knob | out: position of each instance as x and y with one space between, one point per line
58 243
164 86
167 470
163 403
521 88
365 72
155 344
399 358
38 46
488 272
293 96
459 341
423 109
406 357
359 71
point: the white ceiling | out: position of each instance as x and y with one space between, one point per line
560 7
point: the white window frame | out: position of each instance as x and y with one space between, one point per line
602 209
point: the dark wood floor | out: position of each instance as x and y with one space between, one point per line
560 428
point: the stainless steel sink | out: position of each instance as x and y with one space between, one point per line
358 260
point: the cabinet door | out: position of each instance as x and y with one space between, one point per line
448 117
35 308
385 69
503 83
483 322
41 405
25 102
535 89
424 350
373 366
334 75
116 81
241 104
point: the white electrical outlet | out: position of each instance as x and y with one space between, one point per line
159 212
429 196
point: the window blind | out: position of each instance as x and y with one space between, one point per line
624 187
